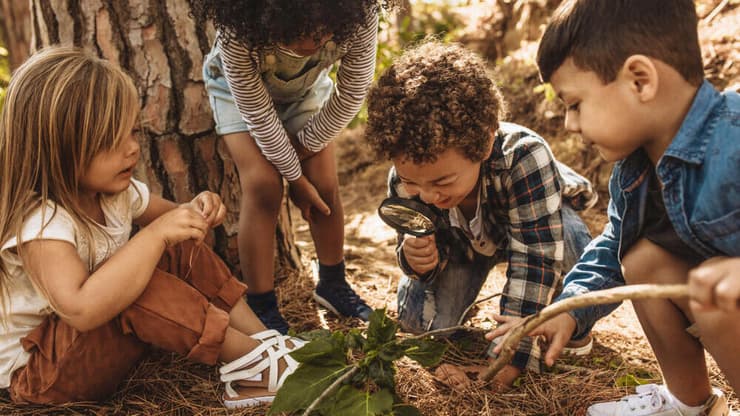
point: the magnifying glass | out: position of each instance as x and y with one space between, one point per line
409 216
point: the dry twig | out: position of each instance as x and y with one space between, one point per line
600 297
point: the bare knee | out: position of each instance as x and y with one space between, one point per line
262 190
646 262
329 192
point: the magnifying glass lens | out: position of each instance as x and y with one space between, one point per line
405 216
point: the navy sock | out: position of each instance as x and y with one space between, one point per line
331 273
262 301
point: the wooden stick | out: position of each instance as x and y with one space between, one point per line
600 297
715 12
332 387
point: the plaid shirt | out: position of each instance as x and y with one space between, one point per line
524 189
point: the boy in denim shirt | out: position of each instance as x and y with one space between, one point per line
434 113
630 74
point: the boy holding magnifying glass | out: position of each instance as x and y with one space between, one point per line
435 114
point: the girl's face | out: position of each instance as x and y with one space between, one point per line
110 171
307 46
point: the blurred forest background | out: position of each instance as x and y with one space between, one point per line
162 47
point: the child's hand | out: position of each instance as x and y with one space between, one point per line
716 284
301 151
420 253
461 378
210 206
557 332
305 196
179 224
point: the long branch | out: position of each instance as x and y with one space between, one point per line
600 297
329 390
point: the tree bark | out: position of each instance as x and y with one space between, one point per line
162 47
16 30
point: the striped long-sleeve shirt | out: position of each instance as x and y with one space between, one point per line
243 72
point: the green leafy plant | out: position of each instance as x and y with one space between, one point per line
353 373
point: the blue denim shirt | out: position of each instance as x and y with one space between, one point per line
700 171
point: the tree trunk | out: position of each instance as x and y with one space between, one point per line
161 46
16 30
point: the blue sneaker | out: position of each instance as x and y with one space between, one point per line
268 312
338 297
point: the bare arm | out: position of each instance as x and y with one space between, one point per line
86 300
157 206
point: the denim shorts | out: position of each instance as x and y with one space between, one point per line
294 115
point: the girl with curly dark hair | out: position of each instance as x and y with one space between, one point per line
276 106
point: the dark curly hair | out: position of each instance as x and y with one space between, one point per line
260 23
434 97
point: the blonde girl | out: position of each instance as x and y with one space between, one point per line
81 299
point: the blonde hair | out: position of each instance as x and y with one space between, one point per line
63 106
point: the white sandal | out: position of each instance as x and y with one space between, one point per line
259 373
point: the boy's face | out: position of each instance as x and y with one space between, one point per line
606 116
444 183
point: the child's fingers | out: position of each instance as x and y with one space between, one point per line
504 326
452 376
702 282
218 218
419 243
556 348
306 213
727 293
423 268
419 249
421 254
204 204
320 205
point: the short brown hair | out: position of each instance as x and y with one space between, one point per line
601 34
434 97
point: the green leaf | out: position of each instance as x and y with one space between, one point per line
405 410
351 401
630 380
380 330
314 334
426 352
391 351
355 340
304 385
382 373
322 351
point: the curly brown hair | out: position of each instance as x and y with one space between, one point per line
260 23
434 97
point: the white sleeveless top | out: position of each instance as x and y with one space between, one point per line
25 307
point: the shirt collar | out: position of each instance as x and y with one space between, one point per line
690 143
